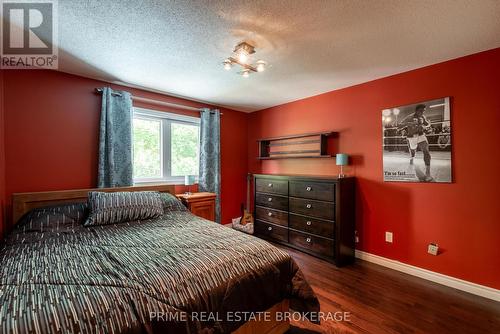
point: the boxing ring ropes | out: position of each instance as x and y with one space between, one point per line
443 141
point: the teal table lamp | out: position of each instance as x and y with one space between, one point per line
189 180
342 160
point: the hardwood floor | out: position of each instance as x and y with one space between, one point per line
382 300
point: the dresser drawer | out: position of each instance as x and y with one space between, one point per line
271 186
314 190
310 225
271 231
271 215
272 201
318 245
325 210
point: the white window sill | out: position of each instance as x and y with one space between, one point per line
168 182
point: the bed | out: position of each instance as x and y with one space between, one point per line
177 273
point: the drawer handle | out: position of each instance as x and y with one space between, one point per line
270 228
308 223
308 188
269 214
308 206
270 185
308 240
270 199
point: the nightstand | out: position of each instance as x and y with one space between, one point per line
200 204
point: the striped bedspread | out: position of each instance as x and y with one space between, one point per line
173 274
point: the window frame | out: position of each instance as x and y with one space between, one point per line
166 119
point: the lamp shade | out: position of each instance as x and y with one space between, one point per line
342 159
189 180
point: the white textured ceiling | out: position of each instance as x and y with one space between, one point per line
314 46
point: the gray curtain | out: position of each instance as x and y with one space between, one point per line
115 140
209 178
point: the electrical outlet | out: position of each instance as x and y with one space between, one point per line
388 237
433 249
356 237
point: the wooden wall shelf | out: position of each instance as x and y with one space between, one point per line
308 145
298 156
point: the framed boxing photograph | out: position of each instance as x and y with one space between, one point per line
417 142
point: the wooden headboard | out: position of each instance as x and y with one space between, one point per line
24 202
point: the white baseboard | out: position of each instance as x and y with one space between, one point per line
432 276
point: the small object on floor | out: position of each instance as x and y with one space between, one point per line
247 228
245 222
247 218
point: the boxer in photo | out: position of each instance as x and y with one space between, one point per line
415 135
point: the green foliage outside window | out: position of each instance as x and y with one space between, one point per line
147 148
185 149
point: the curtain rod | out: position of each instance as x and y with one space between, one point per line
156 102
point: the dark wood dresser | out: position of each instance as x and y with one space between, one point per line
312 214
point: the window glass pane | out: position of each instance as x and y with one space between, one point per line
185 146
147 148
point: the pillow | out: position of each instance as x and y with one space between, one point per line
55 218
171 203
119 207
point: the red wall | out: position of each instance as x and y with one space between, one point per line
463 217
51 135
51 132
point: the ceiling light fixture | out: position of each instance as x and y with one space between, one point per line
243 51
241 56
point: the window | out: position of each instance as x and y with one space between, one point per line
165 146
